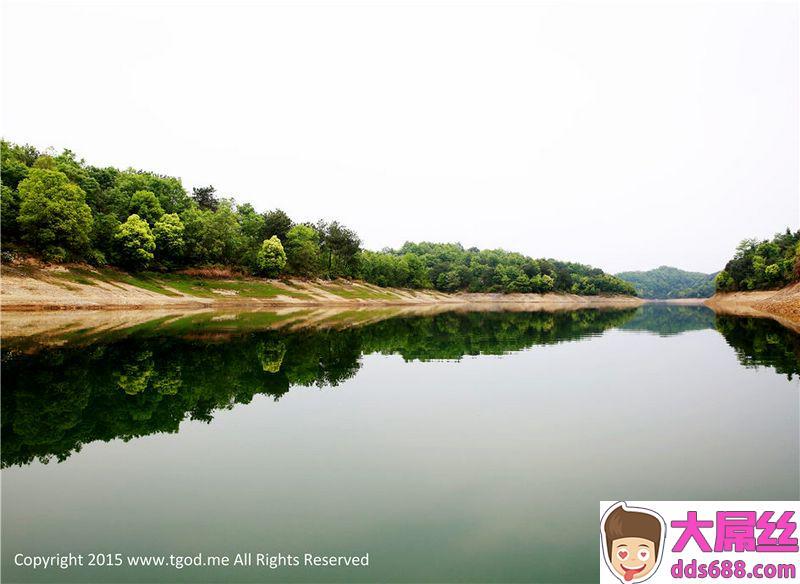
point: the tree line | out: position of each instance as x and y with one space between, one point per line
760 265
62 209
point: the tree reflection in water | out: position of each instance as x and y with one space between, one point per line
57 399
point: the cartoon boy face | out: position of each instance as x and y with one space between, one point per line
632 542
633 557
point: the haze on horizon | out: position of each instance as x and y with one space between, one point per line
622 136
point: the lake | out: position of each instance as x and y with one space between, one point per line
449 446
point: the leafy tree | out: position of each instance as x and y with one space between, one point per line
45 162
15 161
271 257
53 216
251 226
104 228
724 282
9 211
339 247
277 223
758 265
168 233
302 250
168 190
135 243
145 205
206 198
252 223
212 236
75 170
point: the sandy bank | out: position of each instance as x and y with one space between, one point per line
782 305
36 288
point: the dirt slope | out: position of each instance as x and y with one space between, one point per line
783 304
36 287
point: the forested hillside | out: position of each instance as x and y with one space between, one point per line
761 265
668 282
59 208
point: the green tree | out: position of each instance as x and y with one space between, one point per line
145 205
104 228
339 247
15 162
168 190
302 250
764 264
271 257
168 233
9 211
53 215
212 236
135 243
276 223
251 225
206 198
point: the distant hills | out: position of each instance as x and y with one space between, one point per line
668 282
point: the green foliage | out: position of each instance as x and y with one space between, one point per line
302 250
723 282
206 198
760 265
389 269
449 267
75 170
251 226
9 211
103 230
339 247
145 205
168 233
667 282
15 161
271 257
277 223
135 243
168 190
53 216
205 229
212 237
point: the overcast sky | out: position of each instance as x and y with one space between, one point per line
626 136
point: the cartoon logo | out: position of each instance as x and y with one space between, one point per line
632 540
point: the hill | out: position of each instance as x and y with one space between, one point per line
668 282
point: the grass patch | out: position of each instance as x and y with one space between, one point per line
146 281
205 288
356 292
255 289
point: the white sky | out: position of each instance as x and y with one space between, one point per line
621 135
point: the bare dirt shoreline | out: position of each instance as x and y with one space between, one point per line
53 288
782 305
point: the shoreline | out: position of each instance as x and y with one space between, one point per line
60 288
553 301
782 305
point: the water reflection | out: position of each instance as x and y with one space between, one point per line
670 319
762 342
147 379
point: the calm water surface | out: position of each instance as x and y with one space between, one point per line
450 447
